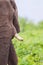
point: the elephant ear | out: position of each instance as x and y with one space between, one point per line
15 15
16 24
13 4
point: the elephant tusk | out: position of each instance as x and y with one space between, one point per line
18 37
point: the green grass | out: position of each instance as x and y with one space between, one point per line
30 51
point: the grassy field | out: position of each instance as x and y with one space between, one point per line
30 51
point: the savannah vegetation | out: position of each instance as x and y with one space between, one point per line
30 51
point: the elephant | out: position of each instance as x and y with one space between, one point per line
8 29
13 60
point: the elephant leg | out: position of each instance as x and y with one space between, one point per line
12 60
4 51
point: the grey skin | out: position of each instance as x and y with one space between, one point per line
8 29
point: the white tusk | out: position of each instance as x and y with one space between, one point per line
18 37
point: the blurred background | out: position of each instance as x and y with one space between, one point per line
30 9
30 51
